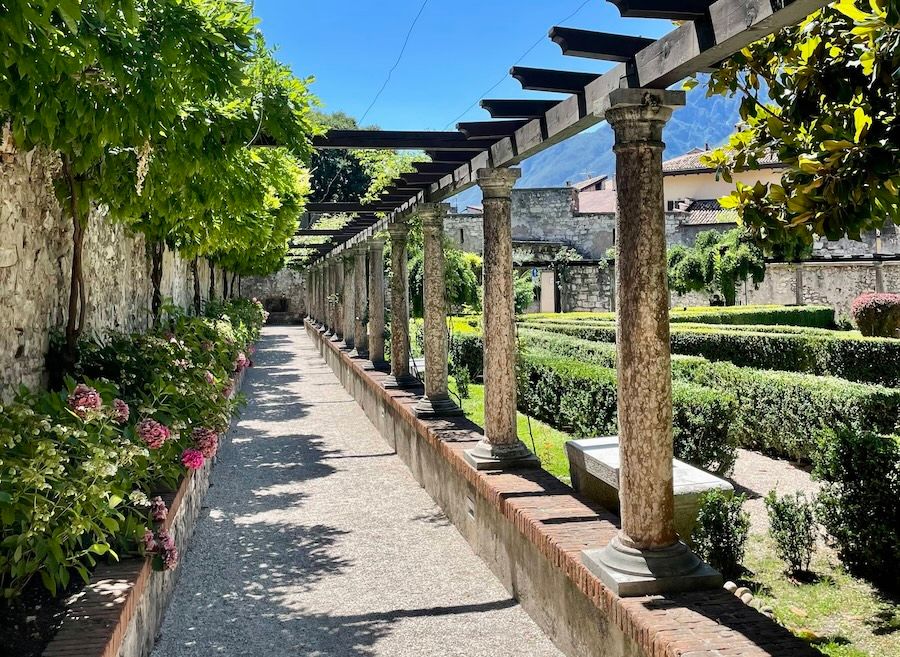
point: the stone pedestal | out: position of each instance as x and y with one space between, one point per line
400 376
436 402
646 556
376 302
360 304
501 447
349 301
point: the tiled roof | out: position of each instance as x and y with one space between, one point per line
690 162
597 202
590 182
708 212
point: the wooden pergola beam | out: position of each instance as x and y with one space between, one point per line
435 167
398 140
518 109
344 208
683 10
490 129
598 45
545 79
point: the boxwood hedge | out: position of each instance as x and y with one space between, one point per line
812 316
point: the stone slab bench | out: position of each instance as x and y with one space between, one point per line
594 468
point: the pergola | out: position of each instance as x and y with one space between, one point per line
646 556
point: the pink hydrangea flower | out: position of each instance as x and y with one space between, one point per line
158 509
206 440
192 459
153 433
228 390
149 540
120 411
251 349
83 400
162 545
210 379
207 345
241 362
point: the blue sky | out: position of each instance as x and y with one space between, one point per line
457 51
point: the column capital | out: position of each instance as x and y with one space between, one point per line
432 214
376 244
398 229
638 115
497 183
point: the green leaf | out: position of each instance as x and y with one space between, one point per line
861 121
99 548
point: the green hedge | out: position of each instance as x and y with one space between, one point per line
581 398
865 360
812 316
781 413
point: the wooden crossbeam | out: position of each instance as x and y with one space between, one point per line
399 140
683 10
421 178
342 208
598 45
439 157
518 109
545 79
490 129
435 167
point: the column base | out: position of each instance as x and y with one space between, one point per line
375 365
328 332
485 456
336 338
631 572
427 408
356 353
402 382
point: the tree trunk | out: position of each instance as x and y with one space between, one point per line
224 285
233 279
156 267
198 301
76 309
212 280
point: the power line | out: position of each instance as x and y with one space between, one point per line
396 63
521 57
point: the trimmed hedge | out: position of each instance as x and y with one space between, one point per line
781 413
581 398
811 316
866 360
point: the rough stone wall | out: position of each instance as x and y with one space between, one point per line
35 265
587 288
287 283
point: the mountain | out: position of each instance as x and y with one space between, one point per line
701 121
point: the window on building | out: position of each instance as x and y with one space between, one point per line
670 206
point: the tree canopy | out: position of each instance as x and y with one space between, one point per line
831 118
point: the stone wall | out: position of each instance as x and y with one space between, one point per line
587 288
35 265
287 283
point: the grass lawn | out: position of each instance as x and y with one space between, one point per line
842 616
839 614
548 442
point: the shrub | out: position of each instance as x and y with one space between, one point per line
720 535
781 413
523 292
809 316
859 504
793 526
461 376
877 314
581 398
466 352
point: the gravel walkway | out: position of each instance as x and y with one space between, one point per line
317 541
756 474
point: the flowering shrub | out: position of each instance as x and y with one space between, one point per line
877 315
78 467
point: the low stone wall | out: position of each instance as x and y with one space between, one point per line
35 266
121 611
530 528
287 285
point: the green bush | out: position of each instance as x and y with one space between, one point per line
781 413
793 527
859 504
78 465
580 398
720 535
812 316
877 314
865 360
466 352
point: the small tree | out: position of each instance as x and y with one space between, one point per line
716 264
793 526
720 535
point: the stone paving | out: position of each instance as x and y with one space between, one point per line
317 541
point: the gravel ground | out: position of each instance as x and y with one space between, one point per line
756 474
317 541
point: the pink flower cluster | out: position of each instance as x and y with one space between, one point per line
228 390
206 440
120 411
161 544
241 362
153 433
210 379
192 459
158 509
84 400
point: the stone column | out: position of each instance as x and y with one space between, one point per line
646 556
349 300
500 448
328 314
361 303
338 312
436 401
376 302
400 376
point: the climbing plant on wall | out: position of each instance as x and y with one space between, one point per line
834 85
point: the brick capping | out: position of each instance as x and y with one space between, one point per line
551 516
104 619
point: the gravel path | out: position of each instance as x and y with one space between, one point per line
317 541
756 474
